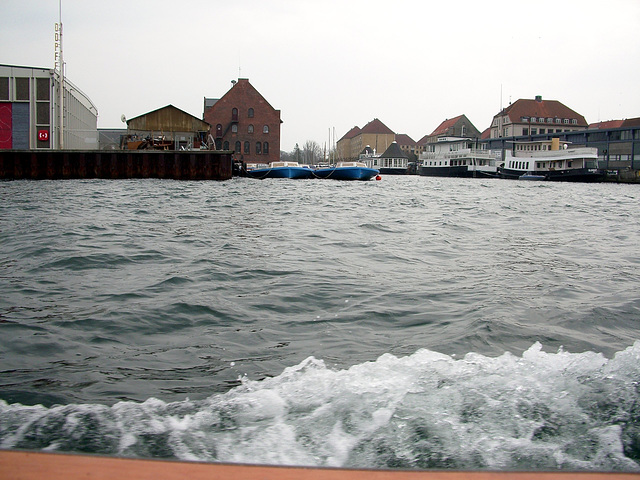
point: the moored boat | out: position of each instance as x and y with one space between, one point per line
281 170
551 159
457 157
347 171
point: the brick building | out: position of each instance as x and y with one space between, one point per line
243 121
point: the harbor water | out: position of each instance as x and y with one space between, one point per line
407 323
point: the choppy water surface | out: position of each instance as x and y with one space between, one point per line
406 323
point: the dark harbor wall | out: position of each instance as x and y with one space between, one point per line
68 164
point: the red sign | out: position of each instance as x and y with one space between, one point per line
43 135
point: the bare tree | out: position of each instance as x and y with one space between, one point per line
311 152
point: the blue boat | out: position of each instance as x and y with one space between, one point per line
282 170
347 171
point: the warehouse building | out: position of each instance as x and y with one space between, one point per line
30 111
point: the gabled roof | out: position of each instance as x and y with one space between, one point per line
354 132
394 151
404 139
376 126
446 125
423 140
525 107
486 134
167 117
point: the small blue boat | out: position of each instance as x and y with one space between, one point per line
282 170
347 171
532 176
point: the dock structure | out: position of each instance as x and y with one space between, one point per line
115 164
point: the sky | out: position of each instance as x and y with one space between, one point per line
331 65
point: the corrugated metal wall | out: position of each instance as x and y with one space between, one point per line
20 120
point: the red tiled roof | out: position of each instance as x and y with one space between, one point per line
446 125
404 139
423 140
606 124
631 122
486 134
354 132
376 126
541 108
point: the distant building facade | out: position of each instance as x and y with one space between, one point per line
408 146
169 126
374 134
459 126
30 111
243 121
536 117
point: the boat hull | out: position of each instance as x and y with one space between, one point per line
569 175
458 171
393 171
347 173
281 172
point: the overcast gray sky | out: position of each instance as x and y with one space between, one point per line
329 64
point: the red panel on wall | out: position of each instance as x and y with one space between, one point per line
5 126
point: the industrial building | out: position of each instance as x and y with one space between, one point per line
30 116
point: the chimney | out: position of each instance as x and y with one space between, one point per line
538 98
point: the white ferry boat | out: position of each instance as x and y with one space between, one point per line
457 157
553 160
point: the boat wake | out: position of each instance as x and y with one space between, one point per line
540 411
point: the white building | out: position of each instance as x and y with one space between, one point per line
30 111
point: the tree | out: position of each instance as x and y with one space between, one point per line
312 153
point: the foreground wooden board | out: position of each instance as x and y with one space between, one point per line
29 465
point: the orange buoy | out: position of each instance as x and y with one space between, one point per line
378 177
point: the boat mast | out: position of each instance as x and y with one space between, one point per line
61 82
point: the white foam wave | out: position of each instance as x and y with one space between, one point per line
575 411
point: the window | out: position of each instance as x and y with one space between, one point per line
234 128
549 120
258 148
574 121
541 131
265 129
238 147
22 89
525 131
42 87
219 130
247 147
558 120
42 113
234 115
4 88
250 113
250 129
566 121
534 131
265 148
